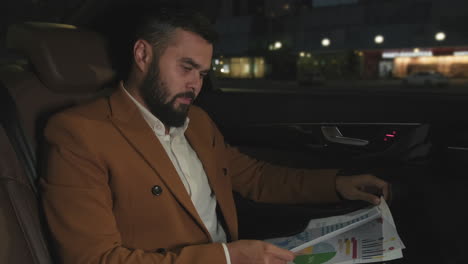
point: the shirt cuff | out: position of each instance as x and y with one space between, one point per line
226 252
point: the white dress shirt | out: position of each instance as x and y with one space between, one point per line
190 170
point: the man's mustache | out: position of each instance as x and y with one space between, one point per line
190 95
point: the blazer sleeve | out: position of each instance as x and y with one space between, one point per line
265 182
77 202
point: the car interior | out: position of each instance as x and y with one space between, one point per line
48 80
415 140
60 79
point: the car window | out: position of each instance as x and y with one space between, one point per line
346 44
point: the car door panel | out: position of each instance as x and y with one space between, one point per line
297 123
415 141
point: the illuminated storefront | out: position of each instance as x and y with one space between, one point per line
451 62
239 67
450 66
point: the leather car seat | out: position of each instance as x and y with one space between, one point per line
59 66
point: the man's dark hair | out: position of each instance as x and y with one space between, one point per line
155 25
157 28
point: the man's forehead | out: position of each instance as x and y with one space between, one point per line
191 48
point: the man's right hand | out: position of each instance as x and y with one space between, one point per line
258 252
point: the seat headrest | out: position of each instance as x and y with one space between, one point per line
65 58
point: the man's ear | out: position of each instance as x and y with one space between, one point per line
142 55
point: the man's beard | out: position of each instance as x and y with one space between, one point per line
155 94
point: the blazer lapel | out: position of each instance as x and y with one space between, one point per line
207 157
127 118
204 152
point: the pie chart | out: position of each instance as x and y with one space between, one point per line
316 254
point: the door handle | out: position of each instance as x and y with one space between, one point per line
333 134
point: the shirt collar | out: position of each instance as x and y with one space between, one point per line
156 125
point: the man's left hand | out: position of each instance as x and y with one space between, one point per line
357 187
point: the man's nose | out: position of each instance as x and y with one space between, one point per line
195 82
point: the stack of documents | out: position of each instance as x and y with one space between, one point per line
364 236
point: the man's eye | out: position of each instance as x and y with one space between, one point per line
187 69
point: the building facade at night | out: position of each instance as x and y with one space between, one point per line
341 39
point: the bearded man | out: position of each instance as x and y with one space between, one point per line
143 176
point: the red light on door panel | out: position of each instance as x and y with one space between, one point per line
390 136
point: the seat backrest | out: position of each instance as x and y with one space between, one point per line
59 66
23 240
64 65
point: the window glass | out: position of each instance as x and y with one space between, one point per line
343 44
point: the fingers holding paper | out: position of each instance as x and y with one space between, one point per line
364 187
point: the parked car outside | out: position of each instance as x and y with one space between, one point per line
313 78
426 78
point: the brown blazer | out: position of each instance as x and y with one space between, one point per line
103 162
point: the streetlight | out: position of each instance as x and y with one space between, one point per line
440 36
379 39
278 45
302 54
325 42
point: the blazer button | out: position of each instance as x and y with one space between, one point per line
156 190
